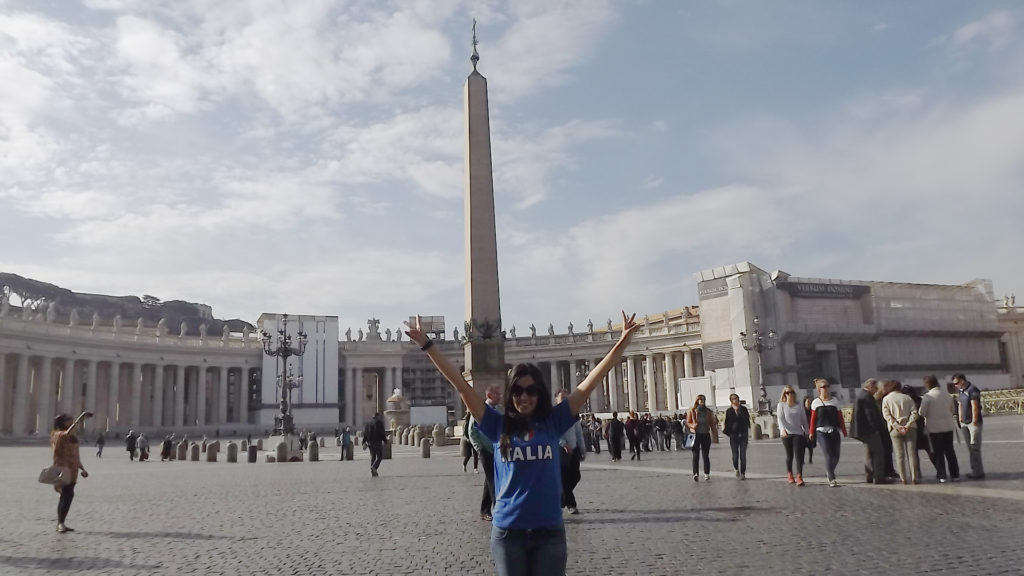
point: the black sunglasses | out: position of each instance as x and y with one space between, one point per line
529 391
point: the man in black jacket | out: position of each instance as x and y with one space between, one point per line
615 433
374 438
868 426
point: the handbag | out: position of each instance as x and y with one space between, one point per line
55 475
689 441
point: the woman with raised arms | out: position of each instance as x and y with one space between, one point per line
527 534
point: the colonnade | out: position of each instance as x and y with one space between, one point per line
121 394
642 382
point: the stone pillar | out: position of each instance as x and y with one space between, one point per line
134 417
652 384
599 399
90 393
556 380
670 380
179 396
357 402
4 386
389 382
158 395
631 383
113 392
222 396
688 364
47 396
613 388
350 395
574 380
243 392
202 380
20 416
67 386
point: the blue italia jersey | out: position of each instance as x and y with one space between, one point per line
528 486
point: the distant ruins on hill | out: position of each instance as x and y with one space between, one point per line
54 304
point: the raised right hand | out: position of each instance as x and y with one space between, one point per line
415 333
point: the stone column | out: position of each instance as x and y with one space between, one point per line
19 418
202 380
134 417
47 396
389 382
90 393
114 392
652 384
631 384
598 400
222 396
158 395
670 380
4 386
614 385
556 380
688 364
179 396
243 392
67 386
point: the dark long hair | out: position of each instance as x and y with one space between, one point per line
514 423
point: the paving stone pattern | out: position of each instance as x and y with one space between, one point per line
420 517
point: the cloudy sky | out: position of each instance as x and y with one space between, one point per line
306 157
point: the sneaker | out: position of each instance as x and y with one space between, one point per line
573 510
954 479
833 483
973 476
373 472
486 516
476 470
942 480
707 477
799 480
695 478
463 467
790 479
743 476
737 473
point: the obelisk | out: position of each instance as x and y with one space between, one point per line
484 345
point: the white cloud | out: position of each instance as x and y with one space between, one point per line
880 27
993 31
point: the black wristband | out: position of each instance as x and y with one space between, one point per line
427 345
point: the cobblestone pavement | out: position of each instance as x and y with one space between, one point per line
419 517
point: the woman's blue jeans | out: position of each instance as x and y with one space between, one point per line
529 552
829 444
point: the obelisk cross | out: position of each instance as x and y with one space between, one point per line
476 55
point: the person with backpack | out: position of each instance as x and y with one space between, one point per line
374 438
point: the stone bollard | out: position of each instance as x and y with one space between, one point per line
194 452
417 435
244 447
313 452
252 453
404 438
259 444
181 452
425 447
211 452
321 442
281 451
232 455
439 439
386 451
449 432
349 452
755 431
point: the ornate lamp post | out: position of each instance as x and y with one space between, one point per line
759 343
284 424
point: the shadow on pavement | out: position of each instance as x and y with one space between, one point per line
168 535
75 563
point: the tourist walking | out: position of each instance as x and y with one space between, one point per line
633 435
527 533
807 441
826 424
571 453
595 434
794 429
937 411
64 442
142 445
900 414
101 441
615 432
374 438
485 448
868 426
166 448
346 443
737 428
468 451
702 421
675 426
969 415
129 444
